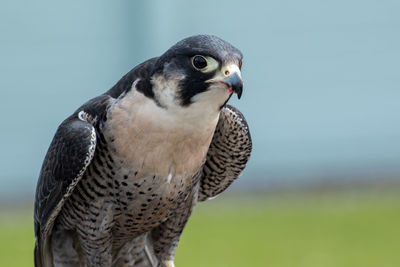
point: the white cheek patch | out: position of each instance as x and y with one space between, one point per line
215 96
165 90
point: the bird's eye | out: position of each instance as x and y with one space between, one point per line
204 63
199 62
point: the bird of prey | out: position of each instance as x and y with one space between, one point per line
124 171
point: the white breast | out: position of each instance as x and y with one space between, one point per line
157 140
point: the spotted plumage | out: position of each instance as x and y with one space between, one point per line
124 171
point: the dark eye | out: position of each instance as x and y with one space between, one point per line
199 62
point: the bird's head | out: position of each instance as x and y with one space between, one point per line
201 70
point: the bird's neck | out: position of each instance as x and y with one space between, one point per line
158 138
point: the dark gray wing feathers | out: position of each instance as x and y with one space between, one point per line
228 154
67 158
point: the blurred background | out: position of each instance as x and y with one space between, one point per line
321 96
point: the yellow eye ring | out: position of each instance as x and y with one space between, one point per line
204 63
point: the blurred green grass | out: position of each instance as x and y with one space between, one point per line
16 237
315 229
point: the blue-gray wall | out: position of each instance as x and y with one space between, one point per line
322 83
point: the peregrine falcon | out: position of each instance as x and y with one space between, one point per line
124 171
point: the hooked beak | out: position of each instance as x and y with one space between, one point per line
234 83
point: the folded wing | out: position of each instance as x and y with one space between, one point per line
228 154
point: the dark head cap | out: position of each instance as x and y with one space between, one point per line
204 45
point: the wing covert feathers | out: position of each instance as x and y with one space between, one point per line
228 154
67 158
